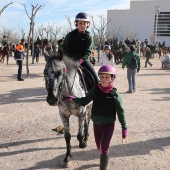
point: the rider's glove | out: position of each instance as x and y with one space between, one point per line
81 61
124 133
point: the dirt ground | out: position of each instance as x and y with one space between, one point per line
27 141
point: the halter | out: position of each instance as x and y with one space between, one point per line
66 81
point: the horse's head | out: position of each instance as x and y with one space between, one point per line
54 73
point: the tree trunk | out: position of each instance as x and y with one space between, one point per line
33 43
98 52
27 63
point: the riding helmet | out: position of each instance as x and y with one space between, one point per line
82 17
107 69
107 47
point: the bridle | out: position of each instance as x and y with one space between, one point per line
65 81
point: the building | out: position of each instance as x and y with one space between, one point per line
146 19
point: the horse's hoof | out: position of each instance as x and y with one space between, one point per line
67 164
83 144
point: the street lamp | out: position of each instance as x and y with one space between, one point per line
157 10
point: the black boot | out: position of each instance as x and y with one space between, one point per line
104 158
20 79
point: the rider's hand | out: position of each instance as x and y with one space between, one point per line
81 61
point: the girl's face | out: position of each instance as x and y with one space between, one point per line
105 79
82 26
106 51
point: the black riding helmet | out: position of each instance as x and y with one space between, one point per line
82 17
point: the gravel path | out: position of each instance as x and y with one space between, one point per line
28 143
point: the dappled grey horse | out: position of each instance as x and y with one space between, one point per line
62 80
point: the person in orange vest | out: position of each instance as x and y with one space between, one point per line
19 56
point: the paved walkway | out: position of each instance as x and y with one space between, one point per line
28 143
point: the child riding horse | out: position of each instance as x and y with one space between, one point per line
5 52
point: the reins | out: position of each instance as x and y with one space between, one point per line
70 89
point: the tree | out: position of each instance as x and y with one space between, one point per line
69 24
22 32
100 32
2 10
47 30
55 31
34 11
40 31
7 32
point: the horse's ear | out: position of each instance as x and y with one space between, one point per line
60 54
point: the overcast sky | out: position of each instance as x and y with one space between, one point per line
54 11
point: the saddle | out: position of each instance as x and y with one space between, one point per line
86 78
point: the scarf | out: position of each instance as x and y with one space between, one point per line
105 89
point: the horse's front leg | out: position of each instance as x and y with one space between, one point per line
2 58
67 135
7 58
83 134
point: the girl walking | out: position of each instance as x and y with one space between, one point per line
106 104
107 57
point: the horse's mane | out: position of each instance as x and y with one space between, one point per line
55 60
70 63
57 57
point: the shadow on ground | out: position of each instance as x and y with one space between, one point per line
122 150
23 95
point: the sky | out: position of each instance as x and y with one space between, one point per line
54 12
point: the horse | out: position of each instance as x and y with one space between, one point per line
119 54
62 80
5 52
154 50
165 49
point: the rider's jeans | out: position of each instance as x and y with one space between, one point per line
131 73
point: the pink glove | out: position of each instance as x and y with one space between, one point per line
124 133
69 98
81 61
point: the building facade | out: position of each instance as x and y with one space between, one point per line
146 19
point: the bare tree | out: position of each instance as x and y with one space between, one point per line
34 11
132 36
8 32
69 24
22 32
55 31
100 32
47 30
2 10
40 31
36 33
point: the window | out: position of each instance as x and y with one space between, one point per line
163 25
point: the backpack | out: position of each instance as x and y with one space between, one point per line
18 55
133 63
